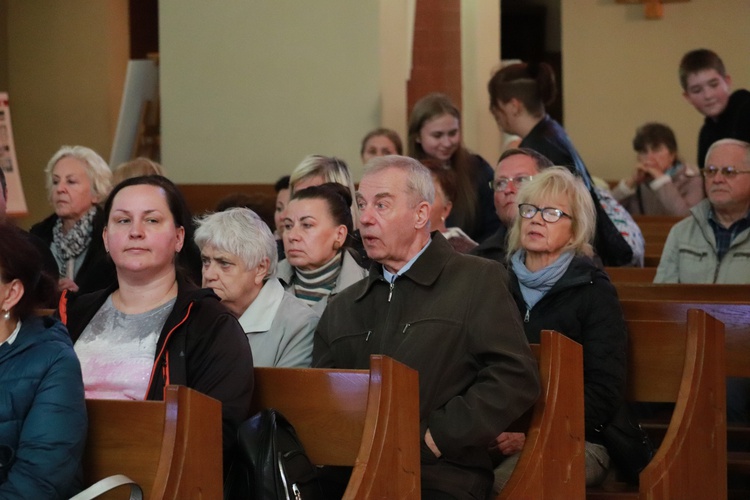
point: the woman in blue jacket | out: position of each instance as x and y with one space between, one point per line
42 408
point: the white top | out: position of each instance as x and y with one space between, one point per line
117 351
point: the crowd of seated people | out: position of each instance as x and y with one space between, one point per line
129 262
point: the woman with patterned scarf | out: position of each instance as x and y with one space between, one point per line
77 180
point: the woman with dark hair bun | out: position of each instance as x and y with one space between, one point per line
435 132
43 418
317 242
519 95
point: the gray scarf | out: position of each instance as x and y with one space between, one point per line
75 241
534 285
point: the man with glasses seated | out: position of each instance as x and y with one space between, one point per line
712 245
515 167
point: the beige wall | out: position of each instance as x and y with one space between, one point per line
66 64
620 70
250 88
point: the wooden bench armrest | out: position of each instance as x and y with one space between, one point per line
365 419
171 448
681 467
551 464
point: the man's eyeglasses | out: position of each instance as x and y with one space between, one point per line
549 214
502 183
728 172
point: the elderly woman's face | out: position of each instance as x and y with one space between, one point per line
71 189
546 239
229 277
311 237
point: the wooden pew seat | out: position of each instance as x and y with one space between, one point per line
670 361
360 418
171 448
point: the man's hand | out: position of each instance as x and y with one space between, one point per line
510 443
431 444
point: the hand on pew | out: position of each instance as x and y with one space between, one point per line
510 442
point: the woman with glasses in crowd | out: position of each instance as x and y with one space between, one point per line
557 287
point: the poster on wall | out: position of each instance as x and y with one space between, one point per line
16 206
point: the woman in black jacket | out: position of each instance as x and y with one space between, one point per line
153 327
557 286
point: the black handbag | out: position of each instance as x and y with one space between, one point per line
273 463
628 445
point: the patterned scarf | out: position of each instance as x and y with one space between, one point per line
312 286
75 241
535 284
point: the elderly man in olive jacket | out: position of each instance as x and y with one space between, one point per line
447 315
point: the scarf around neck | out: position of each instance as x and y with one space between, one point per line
534 285
73 243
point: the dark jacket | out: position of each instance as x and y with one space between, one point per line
486 221
97 270
583 305
732 123
493 247
451 318
42 412
201 346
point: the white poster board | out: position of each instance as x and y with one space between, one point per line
16 200
141 85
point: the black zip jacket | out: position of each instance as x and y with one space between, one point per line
583 305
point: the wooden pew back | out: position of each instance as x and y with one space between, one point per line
171 448
365 419
551 464
734 316
684 363
631 274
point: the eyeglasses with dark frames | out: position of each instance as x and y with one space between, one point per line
728 172
549 214
502 183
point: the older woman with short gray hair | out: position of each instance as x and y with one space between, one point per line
78 181
239 257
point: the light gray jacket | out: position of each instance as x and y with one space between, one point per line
690 256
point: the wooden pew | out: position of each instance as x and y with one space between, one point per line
670 361
551 464
673 302
631 274
202 198
655 229
360 418
684 292
171 448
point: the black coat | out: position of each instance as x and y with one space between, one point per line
732 123
583 306
494 247
97 270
